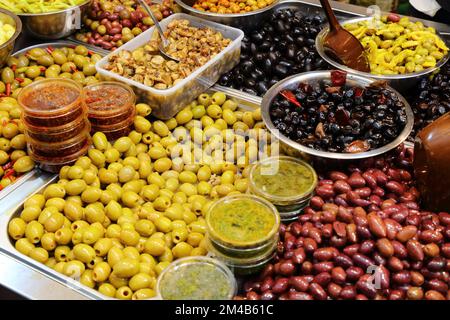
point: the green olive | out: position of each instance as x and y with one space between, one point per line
89 69
7 75
45 60
126 268
54 190
100 141
59 57
24 164
68 67
75 187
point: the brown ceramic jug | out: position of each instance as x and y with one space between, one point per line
432 164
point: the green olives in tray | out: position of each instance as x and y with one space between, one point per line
118 216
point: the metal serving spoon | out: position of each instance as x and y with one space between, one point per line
343 45
164 42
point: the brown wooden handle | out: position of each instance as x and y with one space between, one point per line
334 24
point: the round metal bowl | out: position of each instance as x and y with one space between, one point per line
292 83
54 25
245 21
7 48
401 82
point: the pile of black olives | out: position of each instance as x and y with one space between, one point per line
339 118
282 46
432 101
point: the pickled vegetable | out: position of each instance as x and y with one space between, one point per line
398 46
6 31
196 280
242 220
35 6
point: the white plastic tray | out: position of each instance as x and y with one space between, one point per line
166 103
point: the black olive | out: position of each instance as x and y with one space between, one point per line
247 66
261 87
257 37
249 83
253 48
260 56
267 65
291 51
281 70
280 26
250 91
264 46
272 82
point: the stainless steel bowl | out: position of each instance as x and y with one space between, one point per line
245 21
401 82
54 25
7 48
292 83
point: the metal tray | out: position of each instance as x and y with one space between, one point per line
60 44
343 12
47 275
44 277
19 181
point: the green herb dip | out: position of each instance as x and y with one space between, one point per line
290 180
241 221
195 281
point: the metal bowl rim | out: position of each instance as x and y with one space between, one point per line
53 12
321 51
323 75
18 27
226 15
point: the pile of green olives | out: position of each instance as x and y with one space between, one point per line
13 149
76 63
121 214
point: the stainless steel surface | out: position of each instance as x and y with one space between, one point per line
244 21
164 42
292 82
58 44
7 48
401 82
54 25
19 181
45 277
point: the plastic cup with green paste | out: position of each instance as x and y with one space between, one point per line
196 278
286 182
242 222
245 263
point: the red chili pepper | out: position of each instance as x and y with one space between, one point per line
90 52
338 77
14 67
359 92
43 69
2 95
7 166
20 80
72 46
9 173
8 89
74 69
50 49
290 97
